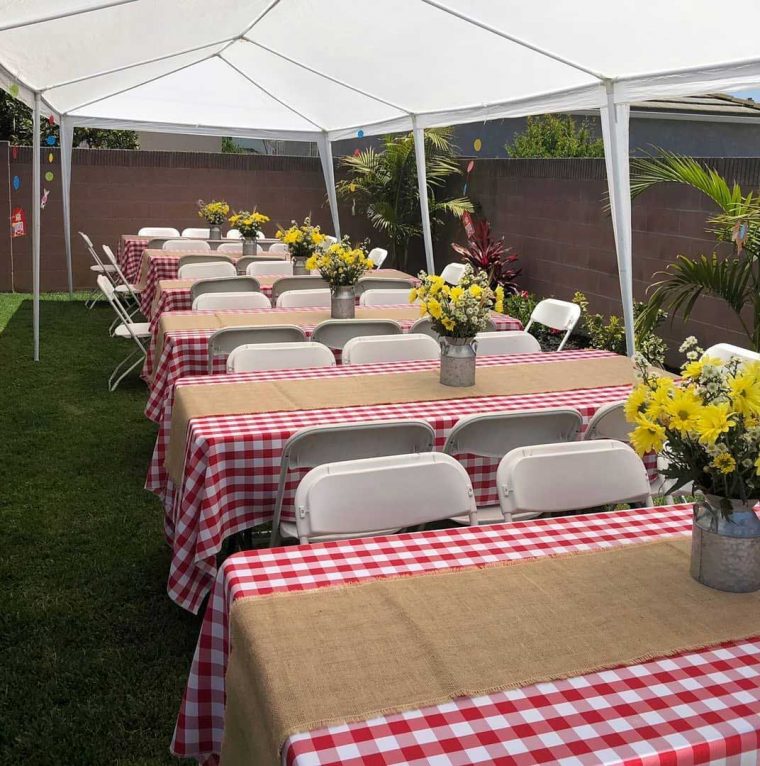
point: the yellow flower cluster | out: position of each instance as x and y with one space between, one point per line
302 240
460 311
341 264
213 212
248 224
707 424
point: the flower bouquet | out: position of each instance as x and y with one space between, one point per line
302 241
214 213
249 225
341 266
458 314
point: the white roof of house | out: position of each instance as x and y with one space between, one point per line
296 68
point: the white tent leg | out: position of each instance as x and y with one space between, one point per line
326 157
616 156
419 155
67 140
36 225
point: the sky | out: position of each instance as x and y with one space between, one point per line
755 94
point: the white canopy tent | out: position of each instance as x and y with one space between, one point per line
324 70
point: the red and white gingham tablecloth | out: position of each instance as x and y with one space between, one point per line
698 707
185 352
129 254
232 462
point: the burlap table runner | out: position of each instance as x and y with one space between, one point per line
301 661
209 321
356 390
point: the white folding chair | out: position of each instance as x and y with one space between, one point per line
278 247
260 235
257 268
315 445
98 268
205 270
233 234
158 231
121 286
383 283
726 352
559 315
327 241
187 245
192 232
226 301
301 282
556 478
304 298
377 255
425 326
137 331
494 434
279 356
338 500
224 285
385 297
390 348
496 343
224 341
230 247
335 333
453 273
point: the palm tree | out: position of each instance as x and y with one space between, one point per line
383 185
734 279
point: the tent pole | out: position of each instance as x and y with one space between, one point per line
419 155
36 225
326 157
616 156
67 141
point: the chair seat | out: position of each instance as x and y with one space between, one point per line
124 289
107 269
140 329
491 514
288 529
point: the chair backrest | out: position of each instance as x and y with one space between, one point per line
107 288
495 433
279 356
203 258
230 247
453 273
225 285
233 234
191 245
223 301
383 283
491 343
260 235
302 298
193 232
158 231
222 342
390 348
327 241
726 352
301 282
335 333
424 326
119 273
553 478
243 263
278 247
559 315
257 268
377 255
393 297
217 268
609 422
342 498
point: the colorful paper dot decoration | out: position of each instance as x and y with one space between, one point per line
50 140
360 133
51 120
49 176
13 90
357 152
477 144
14 152
16 183
470 166
50 157
352 187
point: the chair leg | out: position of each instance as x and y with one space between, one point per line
92 298
112 384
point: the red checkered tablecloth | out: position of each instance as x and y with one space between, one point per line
129 255
185 352
698 707
232 463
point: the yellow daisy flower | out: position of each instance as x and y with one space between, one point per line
724 463
648 436
745 393
683 411
713 421
635 403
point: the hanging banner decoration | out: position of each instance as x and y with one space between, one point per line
16 183
468 225
360 133
49 176
50 157
13 90
470 166
477 144
51 120
14 152
357 152
739 235
18 223
44 199
50 140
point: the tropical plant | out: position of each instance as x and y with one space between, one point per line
383 185
734 279
555 135
490 255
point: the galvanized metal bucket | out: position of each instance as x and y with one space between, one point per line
249 246
215 232
343 302
725 552
299 265
458 361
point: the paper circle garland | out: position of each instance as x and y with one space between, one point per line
470 166
49 176
16 183
477 144
51 120
50 157
13 90
360 133
50 140
357 152
14 152
352 187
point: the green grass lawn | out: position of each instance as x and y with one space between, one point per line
93 654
